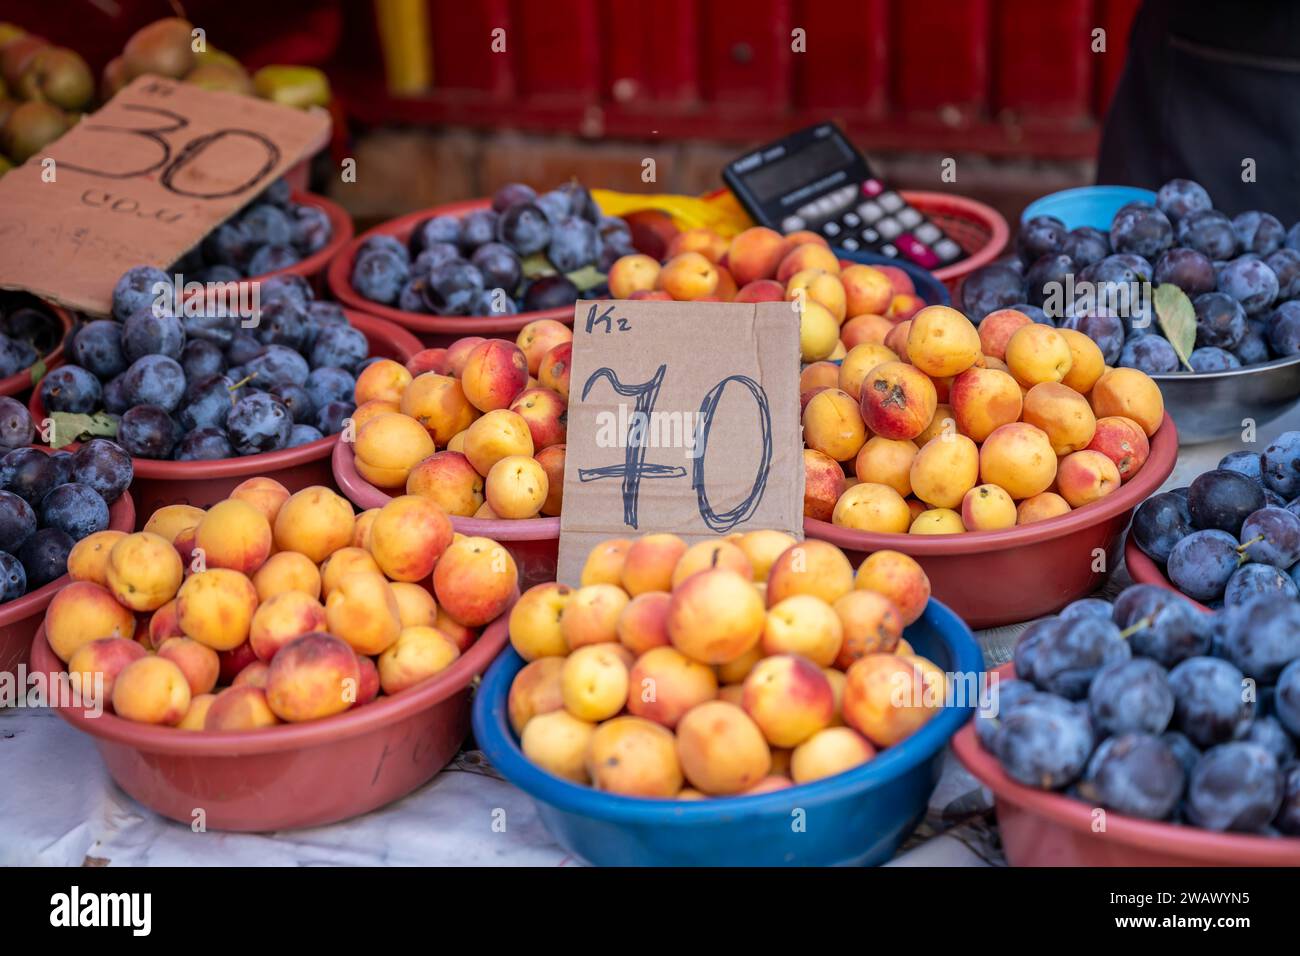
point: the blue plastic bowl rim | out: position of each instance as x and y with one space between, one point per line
928 287
1134 194
496 739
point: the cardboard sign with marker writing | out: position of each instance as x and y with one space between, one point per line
140 182
683 417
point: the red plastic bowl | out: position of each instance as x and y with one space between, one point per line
203 483
433 330
534 543
1145 571
313 267
20 618
1003 577
1043 828
980 230
292 775
22 381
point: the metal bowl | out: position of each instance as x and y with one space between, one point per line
1208 406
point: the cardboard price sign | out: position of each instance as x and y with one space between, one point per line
140 182
683 417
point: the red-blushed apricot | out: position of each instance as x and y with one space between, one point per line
1123 441
810 567
870 623
83 612
235 535
898 400
898 577
151 690
198 663
475 580
888 698
1039 507
715 616
535 690
240 708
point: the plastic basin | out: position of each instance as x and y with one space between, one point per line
1145 571
291 775
534 543
20 618
21 381
1043 828
202 483
856 818
929 288
992 578
1087 205
433 330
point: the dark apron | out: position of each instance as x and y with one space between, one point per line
1197 97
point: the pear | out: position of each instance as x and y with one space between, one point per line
10 31
59 76
300 86
16 56
113 79
30 128
160 48
221 76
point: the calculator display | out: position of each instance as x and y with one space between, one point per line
805 166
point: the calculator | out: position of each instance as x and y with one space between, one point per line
815 179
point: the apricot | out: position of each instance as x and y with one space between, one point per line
198 663
316 522
1063 414
718 553
898 400
419 653
429 360
240 708
942 342
361 528
688 276
591 615
1039 507
823 484
558 742
1120 439
343 562
886 461
498 434
265 494
408 536
388 447
151 690
886 699
216 607
197 715
475 580
495 372
810 567
383 380
857 365
829 752
552 461
944 470
143 571
634 757
817 285
535 621
364 413
102 660
170 520
594 682
362 610
870 624
760 290
1019 458
1038 353
866 290
937 521
837 682
415 606
439 404
896 338
1086 362
721 749
254 675
235 535
762 548
163 623
819 331
983 399
88 559
282 618
1086 476
83 612
650 561
545 412
803 625
735 671
1132 394
869 506
944 422
987 508
715 616
632 273
448 480
516 487
604 564
541 335
804 257
866 329
664 684
996 329
755 254
643 624
554 371
535 690
789 698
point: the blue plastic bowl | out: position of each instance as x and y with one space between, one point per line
1087 205
930 289
857 817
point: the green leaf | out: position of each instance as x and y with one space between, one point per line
586 277
38 372
67 427
537 265
1177 319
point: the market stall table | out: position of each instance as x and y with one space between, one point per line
61 807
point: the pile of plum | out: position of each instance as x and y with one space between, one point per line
1234 533
1242 275
27 331
205 386
1156 709
475 264
270 233
49 501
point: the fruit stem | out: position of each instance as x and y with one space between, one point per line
243 381
1139 625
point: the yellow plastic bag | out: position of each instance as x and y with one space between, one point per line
718 211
